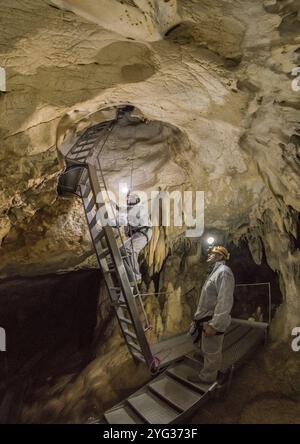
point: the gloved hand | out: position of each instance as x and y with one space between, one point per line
209 331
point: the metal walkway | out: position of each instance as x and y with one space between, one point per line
170 398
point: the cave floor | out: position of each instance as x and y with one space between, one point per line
253 399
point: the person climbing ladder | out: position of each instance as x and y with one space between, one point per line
139 232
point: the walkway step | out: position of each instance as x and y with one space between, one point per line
177 394
152 409
182 371
123 415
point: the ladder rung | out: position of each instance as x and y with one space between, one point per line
82 149
88 193
101 183
85 190
115 288
89 206
115 304
137 348
100 235
109 271
90 135
127 321
111 266
83 141
138 356
95 230
90 132
80 159
129 333
93 221
79 162
80 155
103 254
118 304
87 141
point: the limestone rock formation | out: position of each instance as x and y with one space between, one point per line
146 20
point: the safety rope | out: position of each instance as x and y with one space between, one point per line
128 257
147 326
154 366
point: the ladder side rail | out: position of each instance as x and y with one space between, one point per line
113 294
88 134
122 275
103 185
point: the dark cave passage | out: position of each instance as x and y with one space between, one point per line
246 271
50 325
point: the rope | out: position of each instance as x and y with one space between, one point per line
147 323
109 132
154 366
110 129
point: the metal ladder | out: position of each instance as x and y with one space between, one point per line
124 297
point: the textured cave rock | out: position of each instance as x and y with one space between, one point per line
213 79
41 314
147 20
50 323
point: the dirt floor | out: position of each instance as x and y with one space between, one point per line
253 399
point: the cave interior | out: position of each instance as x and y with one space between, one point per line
189 97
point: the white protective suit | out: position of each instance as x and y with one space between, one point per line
216 301
139 230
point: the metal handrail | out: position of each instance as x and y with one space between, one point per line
269 295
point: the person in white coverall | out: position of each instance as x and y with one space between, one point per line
212 316
138 231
